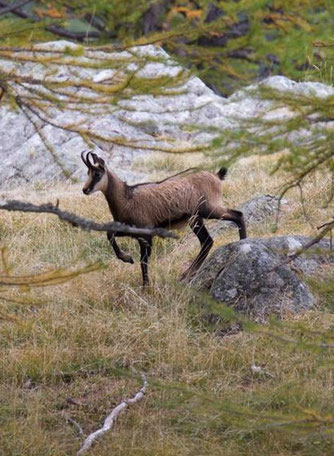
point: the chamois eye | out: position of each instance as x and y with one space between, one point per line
97 174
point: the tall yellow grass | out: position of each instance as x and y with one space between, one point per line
77 346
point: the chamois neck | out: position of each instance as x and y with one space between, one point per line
115 194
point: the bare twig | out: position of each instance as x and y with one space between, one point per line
80 36
330 225
302 201
84 224
13 6
327 227
45 279
75 424
288 340
324 224
111 418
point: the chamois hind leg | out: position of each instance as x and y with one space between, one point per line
224 213
119 253
145 244
198 227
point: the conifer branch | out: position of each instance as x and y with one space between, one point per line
84 224
57 30
45 279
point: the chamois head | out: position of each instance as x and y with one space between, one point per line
97 173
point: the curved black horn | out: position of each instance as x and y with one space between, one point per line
90 165
95 158
84 159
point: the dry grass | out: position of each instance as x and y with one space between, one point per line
75 348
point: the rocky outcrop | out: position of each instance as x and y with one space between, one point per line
251 276
186 118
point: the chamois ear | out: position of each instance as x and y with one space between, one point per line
98 161
101 162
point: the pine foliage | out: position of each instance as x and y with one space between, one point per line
230 42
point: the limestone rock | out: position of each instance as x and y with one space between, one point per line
185 119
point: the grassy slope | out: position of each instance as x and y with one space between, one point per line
80 341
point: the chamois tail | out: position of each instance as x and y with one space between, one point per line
222 173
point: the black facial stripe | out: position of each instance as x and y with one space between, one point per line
95 179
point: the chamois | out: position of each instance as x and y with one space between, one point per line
171 203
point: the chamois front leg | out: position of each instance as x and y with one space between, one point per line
119 253
198 227
145 252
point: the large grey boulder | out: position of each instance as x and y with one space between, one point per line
188 117
250 276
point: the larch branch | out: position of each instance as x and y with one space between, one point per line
84 224
80 36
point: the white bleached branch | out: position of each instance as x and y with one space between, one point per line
111 418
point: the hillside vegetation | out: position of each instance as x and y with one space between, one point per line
75 350
230 42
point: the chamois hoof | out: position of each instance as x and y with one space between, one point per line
127 259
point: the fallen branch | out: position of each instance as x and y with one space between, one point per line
111 418
84 224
